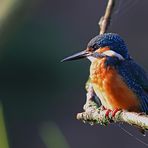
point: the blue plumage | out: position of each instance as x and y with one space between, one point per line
112 40
136 79
110 50
132 74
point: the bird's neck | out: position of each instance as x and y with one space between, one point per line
101 66
97 65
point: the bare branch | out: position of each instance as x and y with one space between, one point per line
95 115
105 20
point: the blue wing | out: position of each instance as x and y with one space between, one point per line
136 79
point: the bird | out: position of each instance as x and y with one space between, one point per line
117 80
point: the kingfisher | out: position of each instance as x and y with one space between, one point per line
117 80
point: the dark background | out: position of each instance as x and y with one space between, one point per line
42 96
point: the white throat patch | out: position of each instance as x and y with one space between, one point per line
109 53
112 53
91 58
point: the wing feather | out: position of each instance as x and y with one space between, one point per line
136 79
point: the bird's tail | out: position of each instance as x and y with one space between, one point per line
135 137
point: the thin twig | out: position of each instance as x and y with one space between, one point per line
105 20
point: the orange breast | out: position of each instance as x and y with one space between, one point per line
110 88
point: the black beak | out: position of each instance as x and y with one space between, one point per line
80 55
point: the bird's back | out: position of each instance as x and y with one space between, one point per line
136 79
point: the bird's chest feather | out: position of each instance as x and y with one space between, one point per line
110 87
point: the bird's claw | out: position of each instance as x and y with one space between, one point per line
111 113
115 111
107 113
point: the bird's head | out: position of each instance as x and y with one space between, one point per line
108 44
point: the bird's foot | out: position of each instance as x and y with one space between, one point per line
108 111
102 108
111 113
115 111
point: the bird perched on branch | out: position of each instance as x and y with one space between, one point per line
116 79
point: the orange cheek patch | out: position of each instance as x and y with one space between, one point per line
103 49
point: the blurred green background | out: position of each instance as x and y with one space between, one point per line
40 96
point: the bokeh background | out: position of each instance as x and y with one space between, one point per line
40 96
